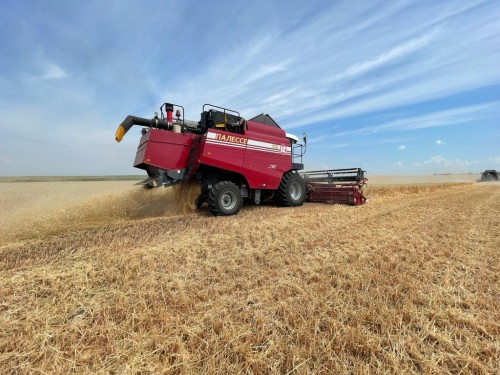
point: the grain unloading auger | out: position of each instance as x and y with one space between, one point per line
235 160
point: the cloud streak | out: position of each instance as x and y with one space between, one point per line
54 71
448 117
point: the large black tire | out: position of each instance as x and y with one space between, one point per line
224 199
292 190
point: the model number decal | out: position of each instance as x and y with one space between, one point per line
281 148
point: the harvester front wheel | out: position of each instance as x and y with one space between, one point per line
224 199
292 190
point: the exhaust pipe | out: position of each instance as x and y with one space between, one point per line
130 121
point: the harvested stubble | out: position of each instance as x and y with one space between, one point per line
405 284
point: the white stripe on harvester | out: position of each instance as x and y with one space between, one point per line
251 145
228 144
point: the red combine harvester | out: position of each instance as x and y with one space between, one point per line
234 159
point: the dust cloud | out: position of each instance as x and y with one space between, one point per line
141 203
107 209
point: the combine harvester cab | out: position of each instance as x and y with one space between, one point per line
234 160
343 186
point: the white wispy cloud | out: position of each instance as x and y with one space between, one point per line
54 71
48 71
402 148
447 117
386 57
440 142
441 161
317 138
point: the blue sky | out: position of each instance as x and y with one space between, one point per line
408 87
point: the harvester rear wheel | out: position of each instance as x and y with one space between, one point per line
292 190
224 199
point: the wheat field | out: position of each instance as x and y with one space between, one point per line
100 277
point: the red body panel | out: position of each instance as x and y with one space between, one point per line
219 150
164 149
261 153
265 165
